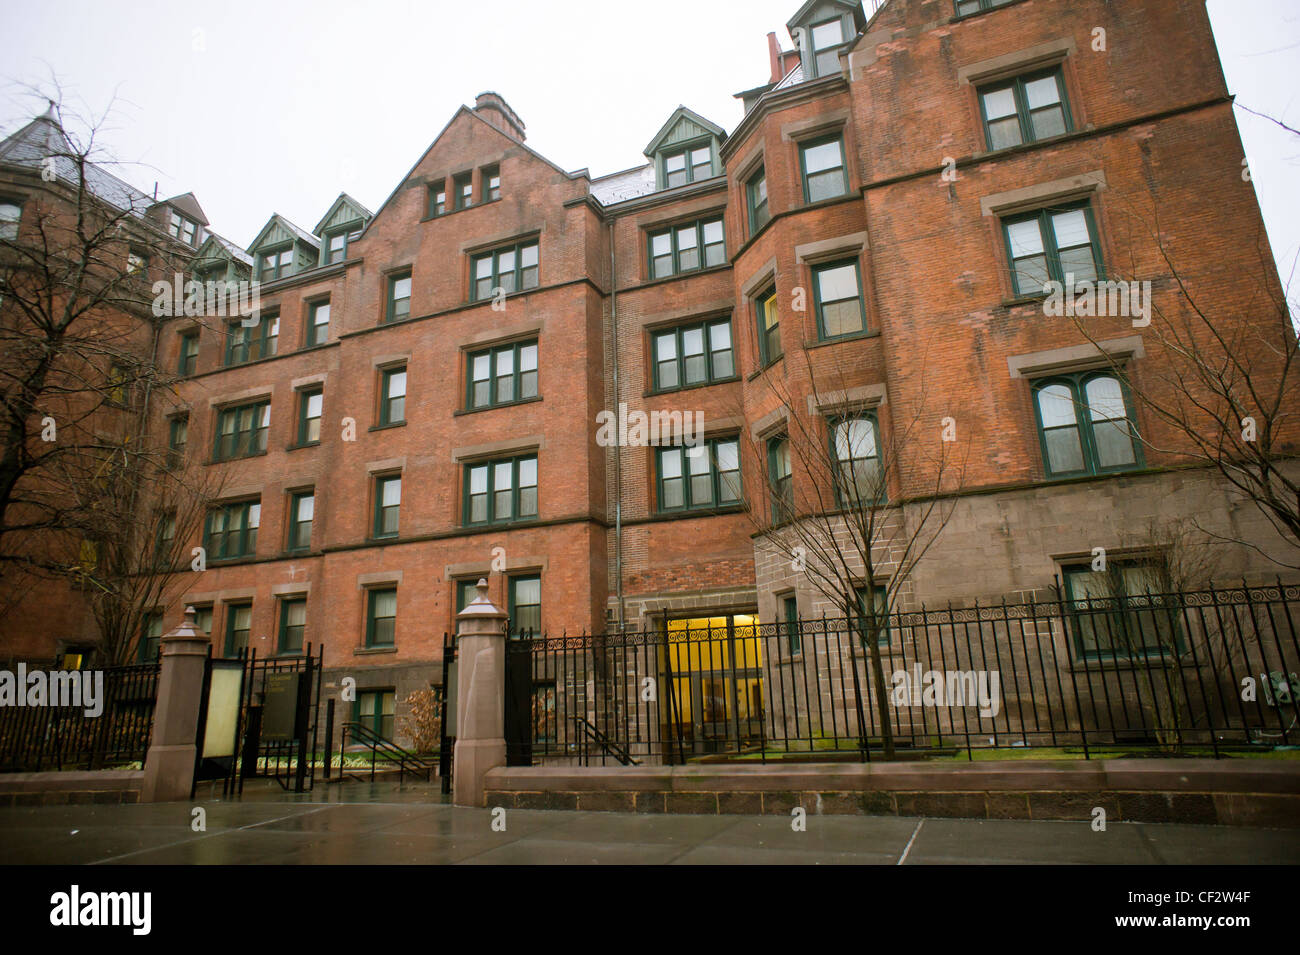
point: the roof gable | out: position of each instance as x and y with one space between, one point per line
344 211
823 9
188 206
279 230
683 126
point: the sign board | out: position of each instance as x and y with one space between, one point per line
222 725
280 712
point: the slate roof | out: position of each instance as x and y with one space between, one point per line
620 186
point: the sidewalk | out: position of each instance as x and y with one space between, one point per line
383 823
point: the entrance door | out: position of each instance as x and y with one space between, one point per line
716 684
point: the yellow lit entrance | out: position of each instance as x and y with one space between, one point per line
714 673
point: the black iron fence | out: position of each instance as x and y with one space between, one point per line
1208 672
48 736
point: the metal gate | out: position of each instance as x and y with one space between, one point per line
519 702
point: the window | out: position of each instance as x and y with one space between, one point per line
241 431
309 413
275 264
790 618
1052 245
491 178
293 624
250 342
756 190
1025 110
1121 611
399 298
824 175
381 617
182 228
858 479
693 355
151 638
388 505
189 359
463 190
118 385
779 472
498 492
318 323
203 619
336 246
688 165
239 623
967 7
438 198
826 40
678 249
525 606
10 214
137 263
1085 425
503 375
392 396
302 510
375 711
838 291
769 327
232 530
466 591
875 614
511 269
178 435
165 540
701 477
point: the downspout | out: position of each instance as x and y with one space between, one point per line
618 450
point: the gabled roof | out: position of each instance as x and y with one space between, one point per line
188 206
279 226
853 6
621 186
216 247
350 209
693 124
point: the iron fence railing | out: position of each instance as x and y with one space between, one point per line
46 736
1209 671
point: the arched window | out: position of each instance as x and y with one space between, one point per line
1085 425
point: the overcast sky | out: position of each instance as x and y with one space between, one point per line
270 107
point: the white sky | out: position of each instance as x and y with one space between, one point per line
261 107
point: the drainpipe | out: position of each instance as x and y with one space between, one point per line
618 450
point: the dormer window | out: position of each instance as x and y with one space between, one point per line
826 40
689 165
336 246
183 228
276 264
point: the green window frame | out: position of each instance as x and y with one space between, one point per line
780 478
511 268
692 355
692 163
275 263
293 625
165 539
1025 109
381 617
825 46
756 195
841 311
503 375
490 177
1121 612
388 505
790 620
700 478
392 396
398 305
374 710
500 491
11 213
822 168
524 605
768 317
966 8
310 405
878 609
189 355
466 591
239 626
178 436
150 638
203 615
302 514
689 247
1052 244
437 199
334 245
463 191
230 531
245 343
186 230
242 431
855 459
318 323
1086 425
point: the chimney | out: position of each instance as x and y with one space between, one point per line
493 108
774 58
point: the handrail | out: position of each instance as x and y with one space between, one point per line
607 744
376 743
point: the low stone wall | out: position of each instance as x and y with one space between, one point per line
1201 791
112 786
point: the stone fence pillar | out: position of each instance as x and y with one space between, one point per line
480 697
169 765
